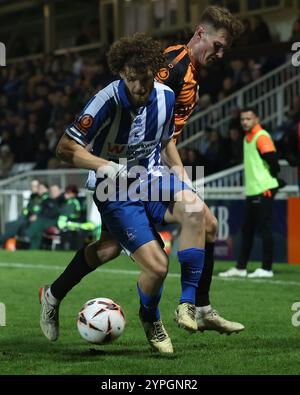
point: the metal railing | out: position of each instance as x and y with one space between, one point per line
229 183
61 177
272 95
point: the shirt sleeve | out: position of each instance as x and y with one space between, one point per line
86 125
265 144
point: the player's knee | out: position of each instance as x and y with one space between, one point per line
194 219
160 266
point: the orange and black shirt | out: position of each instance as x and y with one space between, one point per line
181 76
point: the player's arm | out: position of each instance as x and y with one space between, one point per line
72 146
169 153
74 154
268 153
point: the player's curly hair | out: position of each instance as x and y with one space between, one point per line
138 52
221 17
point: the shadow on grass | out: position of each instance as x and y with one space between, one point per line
16 348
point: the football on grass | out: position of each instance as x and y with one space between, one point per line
100 321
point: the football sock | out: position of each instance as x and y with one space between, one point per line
74 272
204 309
149 305
202 292
192 261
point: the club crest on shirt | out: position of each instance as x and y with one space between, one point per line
163 74
83 123
86 121
130 234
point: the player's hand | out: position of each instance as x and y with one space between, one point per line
112 170
112 179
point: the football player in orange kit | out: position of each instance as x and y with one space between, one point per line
214 34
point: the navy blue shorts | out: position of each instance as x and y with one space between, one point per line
132 222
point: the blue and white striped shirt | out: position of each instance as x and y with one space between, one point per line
109 128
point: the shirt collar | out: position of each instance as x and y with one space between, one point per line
251 133
124 98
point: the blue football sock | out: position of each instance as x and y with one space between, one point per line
149 305
192 262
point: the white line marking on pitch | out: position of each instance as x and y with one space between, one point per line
136 272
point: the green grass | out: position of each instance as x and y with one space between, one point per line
269 344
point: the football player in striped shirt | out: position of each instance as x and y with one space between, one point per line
132 119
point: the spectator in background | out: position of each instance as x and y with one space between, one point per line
204 102
237 68
5 138
293 114
235 147
256 72
228 88
245 78
261 30
42 156
6 160
291 146
70 212
295 31
194 159
235 122
215 155
55 193
52 139
17 227
46 217
247 37
83 38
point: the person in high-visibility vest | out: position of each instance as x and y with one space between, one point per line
70 215
28 214
261 184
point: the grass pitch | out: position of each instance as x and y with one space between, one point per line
268 345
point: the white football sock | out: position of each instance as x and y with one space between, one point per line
204 309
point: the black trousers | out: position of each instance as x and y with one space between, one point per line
258 216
